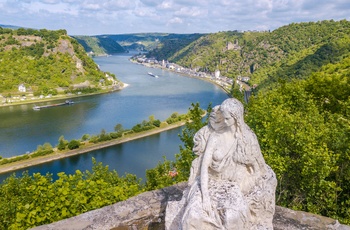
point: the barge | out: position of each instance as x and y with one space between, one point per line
67 102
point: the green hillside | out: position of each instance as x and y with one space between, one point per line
99 45
289 50
151 41
45 62
138 41
116 43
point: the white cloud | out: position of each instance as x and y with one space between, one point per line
191 12
166 5
175 20
92 7
116 5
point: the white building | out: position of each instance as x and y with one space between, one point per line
217 74
22 88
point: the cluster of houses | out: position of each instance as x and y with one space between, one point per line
24 92
216 77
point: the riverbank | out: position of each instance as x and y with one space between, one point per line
88 147
219 82
61 97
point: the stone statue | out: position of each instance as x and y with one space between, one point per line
230 186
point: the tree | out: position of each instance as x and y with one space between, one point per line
118 128
85 137
74 144
157 123
62 143
301 142
168 172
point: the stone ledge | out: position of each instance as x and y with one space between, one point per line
147 211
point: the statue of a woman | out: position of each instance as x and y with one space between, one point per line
230 186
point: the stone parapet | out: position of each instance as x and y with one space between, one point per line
147 211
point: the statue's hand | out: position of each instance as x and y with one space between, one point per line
198 147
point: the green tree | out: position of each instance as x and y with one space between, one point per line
118 128
73 144
62 143
168 172
300 141
85 137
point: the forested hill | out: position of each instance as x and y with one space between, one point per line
99 45
44 61
162 43
291 51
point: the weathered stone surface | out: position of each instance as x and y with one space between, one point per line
145 211
231 186
125 215
295 220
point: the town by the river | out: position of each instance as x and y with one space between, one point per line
22 129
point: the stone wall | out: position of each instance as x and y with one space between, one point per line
147 211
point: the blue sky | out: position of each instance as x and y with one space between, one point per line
94 17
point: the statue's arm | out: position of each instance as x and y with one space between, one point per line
204 179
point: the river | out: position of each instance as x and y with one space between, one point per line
22 129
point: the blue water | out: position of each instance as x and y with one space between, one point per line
22 129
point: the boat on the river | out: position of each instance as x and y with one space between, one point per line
153 75
67 102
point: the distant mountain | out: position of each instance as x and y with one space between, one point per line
151 41
109 43
10 26
99 45
45 62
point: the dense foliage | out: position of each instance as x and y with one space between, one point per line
29 201
303 127
166 45
115 43
43 61
307 47
260 55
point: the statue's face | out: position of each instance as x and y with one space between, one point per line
229 120
216 120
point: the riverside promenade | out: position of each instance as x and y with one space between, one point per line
83 149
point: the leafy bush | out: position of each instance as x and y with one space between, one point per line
73 144
14 159
104 136
29 201
115 135
303 128
157 123
62 143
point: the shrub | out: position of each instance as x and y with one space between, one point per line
74 144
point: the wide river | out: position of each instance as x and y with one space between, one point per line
22 129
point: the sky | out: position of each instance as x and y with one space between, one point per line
97 17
